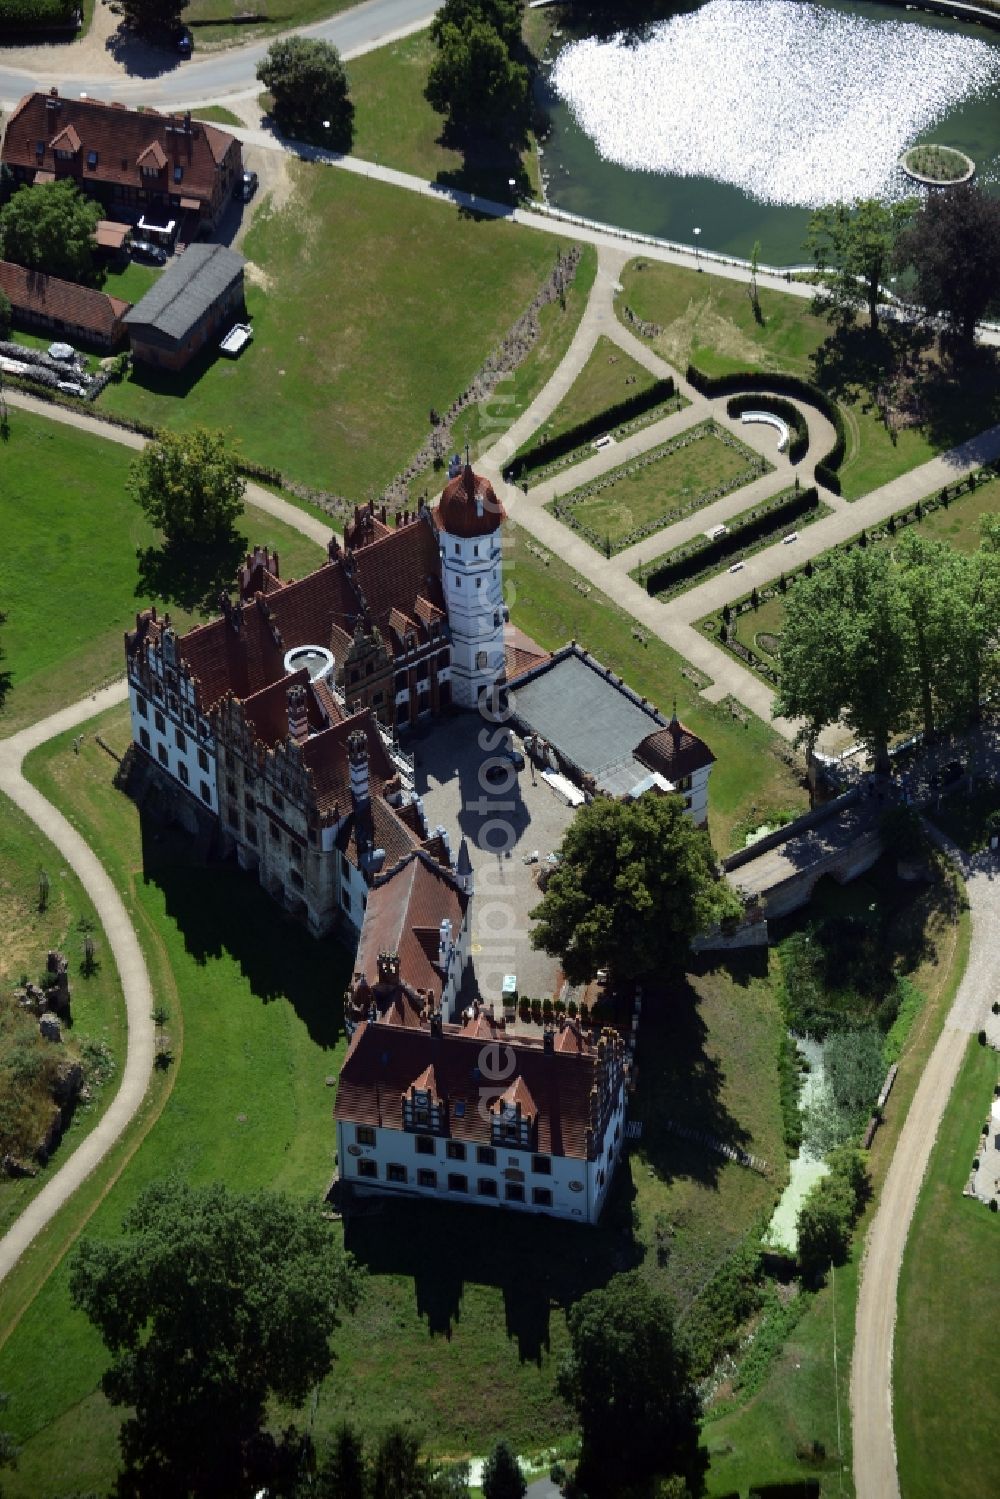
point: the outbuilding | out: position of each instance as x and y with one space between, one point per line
200 292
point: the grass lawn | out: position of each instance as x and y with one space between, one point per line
946 1406
255 1026
370 305
132 282
708 321
68 565
688 472
753 769
609 376
806 1395
235 23
217 115
958 525
96 1005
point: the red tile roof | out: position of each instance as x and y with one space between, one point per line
675 751
392 572
404 915
383 1060
469 506
63 301
120 138
521 653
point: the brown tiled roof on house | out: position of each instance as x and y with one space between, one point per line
395 570
267 710
674 751
383 1060
120 140
521 653
325 756
62 301
404 915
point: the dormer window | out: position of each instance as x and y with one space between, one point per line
92 159
423 1111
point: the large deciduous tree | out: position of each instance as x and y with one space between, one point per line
629 1379
478 82
634 883
853 247
189 486
502 1476
953 248
50 228
210 1302
309 85
934 580
505 16
846 647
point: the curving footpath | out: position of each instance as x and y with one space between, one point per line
127 953
875 1474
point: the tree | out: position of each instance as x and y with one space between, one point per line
829 1212
846 647
4 675
189 486
154 18
478 83
634 883
342 1473
629 1379
505 16
953 247
853 247
308 83
932 577
210 1302
502 1476
50 228
6 315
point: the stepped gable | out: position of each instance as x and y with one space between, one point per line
560 1087
469 506
674 751
404 914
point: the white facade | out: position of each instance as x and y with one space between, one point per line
377 1159
472 579
167 724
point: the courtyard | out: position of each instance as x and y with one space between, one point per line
504 823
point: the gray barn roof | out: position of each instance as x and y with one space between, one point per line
590 720
187 289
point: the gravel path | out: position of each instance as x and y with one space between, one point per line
124 945
875 1474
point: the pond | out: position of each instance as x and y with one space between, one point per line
739 116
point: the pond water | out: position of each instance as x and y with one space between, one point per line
739 116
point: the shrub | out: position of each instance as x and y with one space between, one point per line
788 385
798 444
701 553
982 1038
552 448
36 15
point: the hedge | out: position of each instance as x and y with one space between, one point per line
789 414
786 385
37 15
703 552
552 448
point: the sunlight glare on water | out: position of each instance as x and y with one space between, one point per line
791 103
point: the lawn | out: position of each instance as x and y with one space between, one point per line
235 23
68 566
708 321
958 525
946 1406
753 769
216 114
97 1007
805 1397
686 473
370 306
609 377
255 1027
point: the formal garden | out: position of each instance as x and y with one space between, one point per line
671 480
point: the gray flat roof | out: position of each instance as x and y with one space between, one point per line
588 719
187 289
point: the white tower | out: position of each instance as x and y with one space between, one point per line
468 518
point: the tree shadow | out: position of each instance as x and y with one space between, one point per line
679 1085
856 357
960 396
221 912
190 575
539 1264
139 57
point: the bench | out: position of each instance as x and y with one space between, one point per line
770 420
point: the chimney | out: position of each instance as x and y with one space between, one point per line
388 968
357 755
463 868
436 1022
298 714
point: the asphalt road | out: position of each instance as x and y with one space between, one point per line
221 74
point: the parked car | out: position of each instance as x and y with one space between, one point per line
143 250
236 339
246 186
183 41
